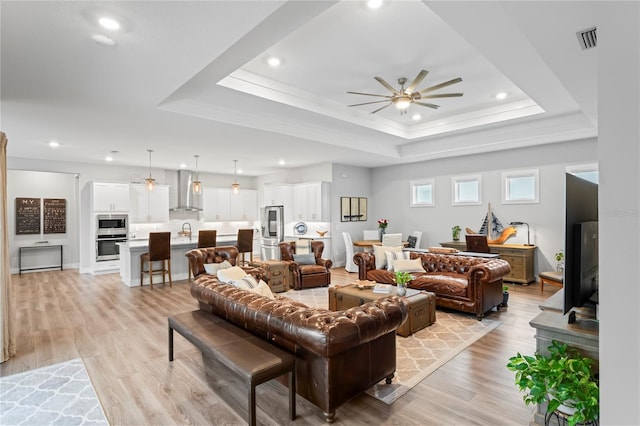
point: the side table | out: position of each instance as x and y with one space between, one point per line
278 274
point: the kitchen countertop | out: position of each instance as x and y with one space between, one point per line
309 237
176 241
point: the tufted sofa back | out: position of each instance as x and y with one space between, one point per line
200 256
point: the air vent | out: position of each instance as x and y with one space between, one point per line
587 38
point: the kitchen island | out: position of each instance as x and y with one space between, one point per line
131 250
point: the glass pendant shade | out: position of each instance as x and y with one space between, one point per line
235 186
151 182
196 185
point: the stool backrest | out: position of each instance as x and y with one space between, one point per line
159 245
245 240
207 238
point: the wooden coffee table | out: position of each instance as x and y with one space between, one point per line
422 304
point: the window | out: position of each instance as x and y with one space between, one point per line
422 193
585 171
466 190
520 187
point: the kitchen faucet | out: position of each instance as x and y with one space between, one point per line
185 233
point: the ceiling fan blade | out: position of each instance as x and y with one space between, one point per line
387 85
442 95
421 75
381 108
441 85
368 103
370 94
434 106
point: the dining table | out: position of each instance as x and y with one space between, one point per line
368 244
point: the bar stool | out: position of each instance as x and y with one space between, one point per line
206 238
245 244
159 250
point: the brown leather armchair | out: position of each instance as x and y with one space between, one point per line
307 275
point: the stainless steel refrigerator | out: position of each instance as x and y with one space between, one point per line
272 232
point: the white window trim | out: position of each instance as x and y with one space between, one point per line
581 168
413 186
467 178
521 173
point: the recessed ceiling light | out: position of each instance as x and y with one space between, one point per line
374 4
108 158
416 117
103 40
282 162
108 23
274 62
183 166
54 144
500 96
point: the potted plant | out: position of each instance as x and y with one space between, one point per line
401 279
563 379
505 295
456 233
559 258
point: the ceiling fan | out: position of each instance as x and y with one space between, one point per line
402 97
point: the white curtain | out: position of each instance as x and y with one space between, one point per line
6 299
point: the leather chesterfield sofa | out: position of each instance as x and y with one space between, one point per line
464 283
338 354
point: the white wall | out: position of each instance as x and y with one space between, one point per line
619 211
43 185
391 195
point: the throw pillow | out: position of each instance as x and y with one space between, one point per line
304 259
412 240
230 274
381 258
263 289
248 282
412 265
395 255
213 268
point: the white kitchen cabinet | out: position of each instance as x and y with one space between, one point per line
311 202
244 205
149 206
109 197
216 204
278 195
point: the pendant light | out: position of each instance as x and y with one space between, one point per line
196 185
235 186
151 182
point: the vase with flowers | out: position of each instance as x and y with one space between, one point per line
382 227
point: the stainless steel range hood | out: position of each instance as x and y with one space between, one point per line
187 201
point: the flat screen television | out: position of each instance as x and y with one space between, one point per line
581 242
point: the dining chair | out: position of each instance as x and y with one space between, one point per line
417 237
392 240
159 250
369 234
349 265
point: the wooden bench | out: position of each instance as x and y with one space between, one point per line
252 359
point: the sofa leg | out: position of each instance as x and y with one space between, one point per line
388 379
330 417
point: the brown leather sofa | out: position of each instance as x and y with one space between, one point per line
464 283
307 276
338 354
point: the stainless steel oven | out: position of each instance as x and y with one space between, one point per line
111 229
107 247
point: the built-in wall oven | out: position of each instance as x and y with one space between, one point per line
111 229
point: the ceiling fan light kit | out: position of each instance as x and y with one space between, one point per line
402 98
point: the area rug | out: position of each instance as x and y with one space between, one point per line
60 394
423 352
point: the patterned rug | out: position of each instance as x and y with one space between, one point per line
60 394
423 352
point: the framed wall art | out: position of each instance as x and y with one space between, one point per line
353 209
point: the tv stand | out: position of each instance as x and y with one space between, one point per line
551 324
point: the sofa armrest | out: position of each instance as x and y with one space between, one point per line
366 262
490 271
327 263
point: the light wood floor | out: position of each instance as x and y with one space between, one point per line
121 335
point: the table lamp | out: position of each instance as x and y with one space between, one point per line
520 224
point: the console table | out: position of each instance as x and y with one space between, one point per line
36 247
520 257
